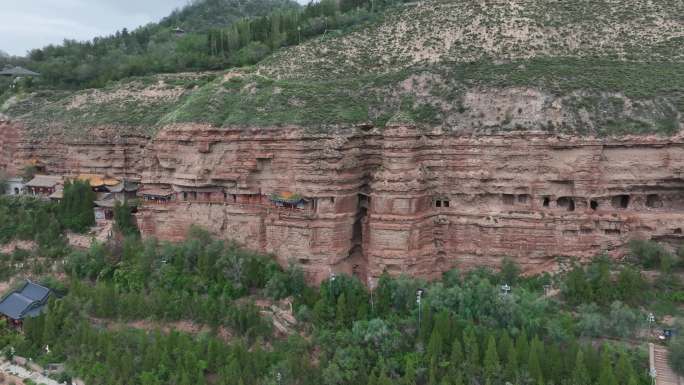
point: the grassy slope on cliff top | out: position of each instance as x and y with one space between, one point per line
613 67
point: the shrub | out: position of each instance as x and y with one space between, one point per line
651 254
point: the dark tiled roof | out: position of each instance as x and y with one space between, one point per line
18 71
35 292
29 301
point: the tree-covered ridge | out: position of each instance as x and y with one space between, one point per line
150 49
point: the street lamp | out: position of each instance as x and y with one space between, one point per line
332 283
370 287
279 378
419 297
505 289
651 320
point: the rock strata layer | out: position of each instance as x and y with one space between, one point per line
399 199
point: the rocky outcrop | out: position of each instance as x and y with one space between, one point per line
401 199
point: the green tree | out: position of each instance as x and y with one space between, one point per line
124 222
533 364
511 368
492 365
76 207
580 374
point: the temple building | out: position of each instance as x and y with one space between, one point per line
27 302
44 185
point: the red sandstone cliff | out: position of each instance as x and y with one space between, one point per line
401 200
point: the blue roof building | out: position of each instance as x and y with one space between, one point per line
27 302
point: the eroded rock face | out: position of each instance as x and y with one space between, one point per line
399 199
416 202
106 154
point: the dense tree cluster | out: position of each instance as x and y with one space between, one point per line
216 34
31 219
464 331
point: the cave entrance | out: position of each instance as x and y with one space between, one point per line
594 204
356 257
567 203
653 201
620 201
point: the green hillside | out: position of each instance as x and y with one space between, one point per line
590 67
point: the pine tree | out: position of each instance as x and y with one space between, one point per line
472 353
456 353
522 348
341 311
409 372
511 368
492 365
504 343
624 369
533 365
580 375
434 350
606 376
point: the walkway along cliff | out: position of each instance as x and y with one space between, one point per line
401 199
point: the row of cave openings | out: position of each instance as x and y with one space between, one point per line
619 202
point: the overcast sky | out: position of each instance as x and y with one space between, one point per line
27 24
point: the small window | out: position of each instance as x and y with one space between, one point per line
185 196
446 203
438 203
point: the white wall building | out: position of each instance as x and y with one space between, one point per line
15 186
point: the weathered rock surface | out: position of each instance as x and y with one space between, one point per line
401 199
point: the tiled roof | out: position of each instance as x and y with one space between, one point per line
27 302
18 71
44 181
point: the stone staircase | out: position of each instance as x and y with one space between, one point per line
658 361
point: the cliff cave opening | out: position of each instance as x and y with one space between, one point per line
546 202
653 201
620 201
678 230
593 204
356 256
508 199
567 203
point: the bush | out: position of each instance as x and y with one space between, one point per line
651 254
677 354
